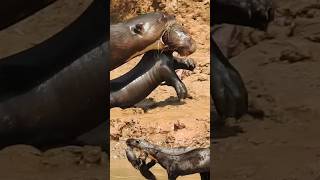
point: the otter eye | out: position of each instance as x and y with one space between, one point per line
137 141
138 28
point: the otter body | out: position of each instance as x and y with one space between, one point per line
67 101
23 71
63 107
178 161
153 69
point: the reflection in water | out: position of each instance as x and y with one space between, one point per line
122 169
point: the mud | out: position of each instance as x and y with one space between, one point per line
281 71
161 118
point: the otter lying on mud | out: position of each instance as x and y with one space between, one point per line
177 161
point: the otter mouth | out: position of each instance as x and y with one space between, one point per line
142 153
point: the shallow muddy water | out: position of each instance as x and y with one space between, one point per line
122 169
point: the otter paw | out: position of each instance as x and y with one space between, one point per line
190 64
181 90
184 63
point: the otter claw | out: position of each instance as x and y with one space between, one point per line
191 64
181 63
181 90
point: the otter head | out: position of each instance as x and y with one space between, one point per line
137 36
158 31
138 143
147 30
144 146
176 38
152 31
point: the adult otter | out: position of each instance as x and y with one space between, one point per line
27 69
141 34
12 11
70 102
153 69
177 162
129 89
49 113
140 163
138 83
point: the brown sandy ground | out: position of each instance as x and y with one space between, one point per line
87 163
161 118
281 72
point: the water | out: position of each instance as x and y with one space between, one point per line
122 169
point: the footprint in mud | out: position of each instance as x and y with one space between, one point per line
289 56
293 56
150 103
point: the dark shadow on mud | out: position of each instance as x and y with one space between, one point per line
226 131
150 103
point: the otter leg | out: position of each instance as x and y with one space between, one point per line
171 176
205 175
172 79
140 164
145 172
228 90
144 167
151 164
183 63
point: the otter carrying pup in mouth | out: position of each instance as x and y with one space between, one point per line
178 161
157 35
151 31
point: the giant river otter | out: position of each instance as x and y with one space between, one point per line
177 161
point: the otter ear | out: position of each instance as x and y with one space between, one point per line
138 28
